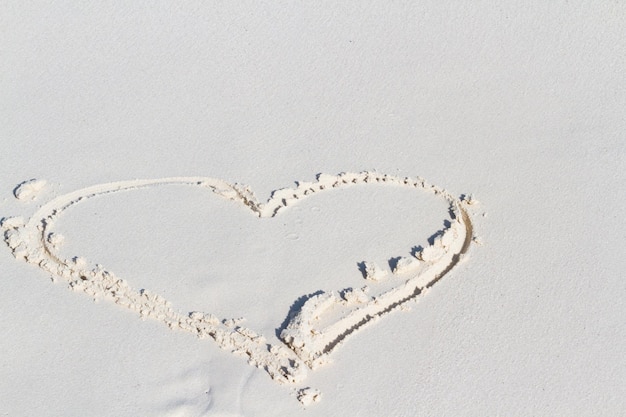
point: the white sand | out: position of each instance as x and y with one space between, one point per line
508 302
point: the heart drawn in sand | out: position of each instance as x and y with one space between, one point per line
316 324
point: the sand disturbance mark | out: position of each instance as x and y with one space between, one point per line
29 190
316 325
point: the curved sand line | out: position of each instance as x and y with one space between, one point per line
312 330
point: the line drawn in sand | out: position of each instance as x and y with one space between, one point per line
315 326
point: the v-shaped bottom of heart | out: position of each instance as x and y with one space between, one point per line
315 326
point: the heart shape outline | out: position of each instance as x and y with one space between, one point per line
307 340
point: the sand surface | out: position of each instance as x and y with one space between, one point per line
358 209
